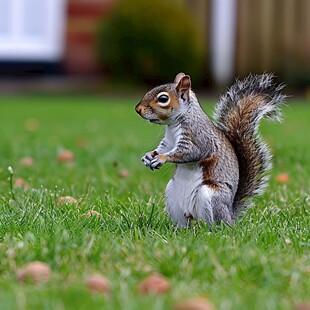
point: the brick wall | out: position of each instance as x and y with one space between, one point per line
81 36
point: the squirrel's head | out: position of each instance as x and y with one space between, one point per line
164 103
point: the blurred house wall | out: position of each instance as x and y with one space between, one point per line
81 35
271 35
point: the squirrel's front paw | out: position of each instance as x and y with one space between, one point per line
157 162
148 157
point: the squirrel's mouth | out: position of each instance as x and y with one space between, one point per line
154 120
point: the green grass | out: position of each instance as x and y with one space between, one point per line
261 263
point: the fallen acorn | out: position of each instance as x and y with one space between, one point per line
194 304
20 182
123 173
283 178
27 161
65 156
303 306
155 284
92 213
98 284
35 272
67 200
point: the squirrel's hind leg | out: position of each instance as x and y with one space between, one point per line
221 206
204 204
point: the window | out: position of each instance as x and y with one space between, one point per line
32 29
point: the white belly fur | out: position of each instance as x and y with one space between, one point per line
187 196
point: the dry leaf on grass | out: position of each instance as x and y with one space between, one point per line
35 272
194 304
92 213
123 173
65 156
67 200
283 178
98 284
155 284
20 182
27 161
303 306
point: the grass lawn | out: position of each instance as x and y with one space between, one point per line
263 262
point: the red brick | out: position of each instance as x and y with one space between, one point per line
89 8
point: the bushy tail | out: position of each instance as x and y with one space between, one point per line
238 114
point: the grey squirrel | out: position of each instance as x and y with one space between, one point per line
221 163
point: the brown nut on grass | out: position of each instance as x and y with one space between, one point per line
65 156
283 178
194 304
27 161
20 182
35 272
303 306
155 284
93 213
98 284
123 173
67 200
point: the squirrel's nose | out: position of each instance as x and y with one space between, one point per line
138 109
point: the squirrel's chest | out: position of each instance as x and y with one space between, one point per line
183 191
187 178
173 134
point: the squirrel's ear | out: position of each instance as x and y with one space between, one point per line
184 86
178 77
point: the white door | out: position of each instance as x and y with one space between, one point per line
32 30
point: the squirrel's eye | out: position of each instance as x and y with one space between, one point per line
163 99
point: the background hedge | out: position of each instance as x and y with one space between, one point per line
151 41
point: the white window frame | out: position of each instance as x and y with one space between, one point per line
17 47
